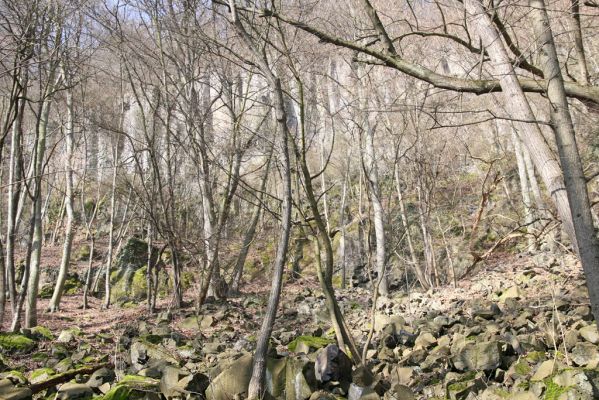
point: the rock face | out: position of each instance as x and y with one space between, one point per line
477 356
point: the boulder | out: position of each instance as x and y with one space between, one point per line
232 381
8 391
74 391
477 356
12 343
361 393
332 364
586 355
134 387
300 379
589 333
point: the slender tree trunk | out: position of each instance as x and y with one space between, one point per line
115 161
576 184
68 202
416 265
36 246
578 43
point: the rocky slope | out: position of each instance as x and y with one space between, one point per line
520 329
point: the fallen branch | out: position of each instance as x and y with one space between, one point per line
66 376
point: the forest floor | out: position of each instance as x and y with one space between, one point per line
511 299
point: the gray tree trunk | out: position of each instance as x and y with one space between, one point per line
576 185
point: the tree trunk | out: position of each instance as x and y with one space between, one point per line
115 161
576 185
518 107
36 246
68 202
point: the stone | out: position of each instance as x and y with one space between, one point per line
403 375
477 356
11 343
232 381
589 333
307 344
332 364
64 365
544 370
275 376
134 387
300 380
424 340
100 377
74 391
513 292
8 391
361 393
382 320
66 336
586 355
400 392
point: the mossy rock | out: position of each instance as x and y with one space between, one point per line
187 280
83 252
71 286
41 333
134 387
307 343
15 376
41 374
14 343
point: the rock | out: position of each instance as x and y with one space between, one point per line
589 333
322 395
100 377
481 356
403 375
66 336
169 382
134 387
74 391
8 391
306 344
523 396
513 292
382 320
586 355
332 364
464 387
41 374
361 393
545 370
300 380
142 352
11 343
232 381
275 376
424 340
64 365
194 384
41 333
485 310
400 392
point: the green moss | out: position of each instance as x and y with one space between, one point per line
83 252
42 332
553 391
311 341
15 375
457 386
535 356
139 382
139 287
187 280
522 368
15 343
41 373
119 392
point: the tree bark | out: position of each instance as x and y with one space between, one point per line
576 185
68 201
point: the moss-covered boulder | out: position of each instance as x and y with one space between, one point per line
11 343
134 387
129 276
307 344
